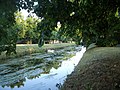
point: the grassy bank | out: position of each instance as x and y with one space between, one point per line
99 69
25 49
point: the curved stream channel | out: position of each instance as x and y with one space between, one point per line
38 71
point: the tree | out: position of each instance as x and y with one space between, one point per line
7 34
31 28
20 24
95 19
27 28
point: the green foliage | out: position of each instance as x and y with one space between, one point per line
94 19
31 27
7 32
27 28
90 20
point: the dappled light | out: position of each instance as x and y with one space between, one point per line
43 41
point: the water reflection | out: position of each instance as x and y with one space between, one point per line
38 71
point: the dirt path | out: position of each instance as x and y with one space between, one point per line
99 69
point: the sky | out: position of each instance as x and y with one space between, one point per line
25 13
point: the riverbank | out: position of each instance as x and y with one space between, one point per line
99 69
26 49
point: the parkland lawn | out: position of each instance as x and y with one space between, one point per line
26 49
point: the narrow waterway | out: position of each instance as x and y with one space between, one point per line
40 71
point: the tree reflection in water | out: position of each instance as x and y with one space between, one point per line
46 69
14 73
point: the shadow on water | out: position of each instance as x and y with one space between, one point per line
38 71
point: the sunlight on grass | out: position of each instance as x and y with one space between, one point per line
25 49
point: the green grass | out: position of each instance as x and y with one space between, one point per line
26 49
99 69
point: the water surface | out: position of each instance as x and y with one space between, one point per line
39 71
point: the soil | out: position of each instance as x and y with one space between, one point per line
99 69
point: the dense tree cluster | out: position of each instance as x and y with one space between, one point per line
27 27
7 33
91 21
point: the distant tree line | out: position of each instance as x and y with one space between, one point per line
89 21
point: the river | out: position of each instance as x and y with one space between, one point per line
38 71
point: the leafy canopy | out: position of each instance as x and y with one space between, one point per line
7 33
96 20
92 21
